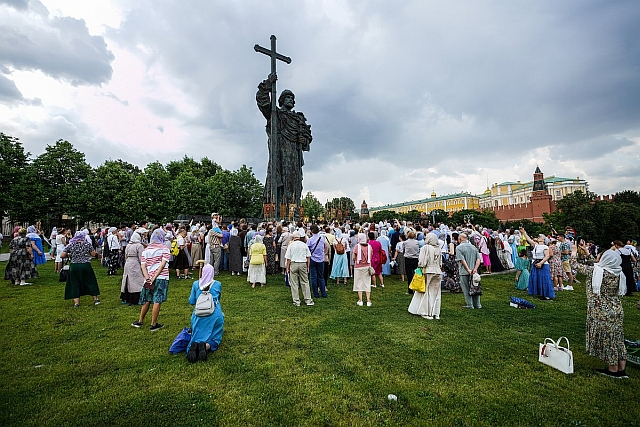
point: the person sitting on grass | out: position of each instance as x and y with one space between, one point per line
522 270
206 331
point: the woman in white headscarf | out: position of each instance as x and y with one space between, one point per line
133 277
113 243
427 304
606 283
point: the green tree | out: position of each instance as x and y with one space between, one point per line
151 197
486 218
312 206
13 185
627 196
384 215
186 195
436 216
235 194
109 192
57 174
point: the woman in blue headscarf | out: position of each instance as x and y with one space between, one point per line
386 246
206 331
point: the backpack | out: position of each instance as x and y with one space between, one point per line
339 247
205 305
383 256
175 249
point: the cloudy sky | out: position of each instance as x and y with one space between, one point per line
403 97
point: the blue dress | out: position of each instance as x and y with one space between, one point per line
37 257
386 246
540 282
207 329
523 266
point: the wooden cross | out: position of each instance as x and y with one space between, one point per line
274 109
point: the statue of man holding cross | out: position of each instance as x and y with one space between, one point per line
289 135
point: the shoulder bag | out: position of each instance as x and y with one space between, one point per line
552 354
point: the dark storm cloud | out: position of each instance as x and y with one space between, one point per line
60 47
8 90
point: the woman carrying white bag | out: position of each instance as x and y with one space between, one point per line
604 331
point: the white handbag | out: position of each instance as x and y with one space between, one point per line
553 354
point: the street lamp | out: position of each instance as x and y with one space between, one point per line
468 218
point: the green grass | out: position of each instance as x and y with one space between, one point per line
331 364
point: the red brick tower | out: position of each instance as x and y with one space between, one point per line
540 199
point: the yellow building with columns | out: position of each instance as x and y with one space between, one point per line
450 203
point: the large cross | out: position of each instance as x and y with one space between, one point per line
274 112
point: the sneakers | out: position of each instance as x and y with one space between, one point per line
359 303
202 351
427 317
137 324
310 303
96 302
607 373
192 355
567 288
368 303
436 317
297 304
156 327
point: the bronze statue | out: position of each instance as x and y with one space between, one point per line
293 136
289 135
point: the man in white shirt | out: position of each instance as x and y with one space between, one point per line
298 258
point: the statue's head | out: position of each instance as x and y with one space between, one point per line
287 98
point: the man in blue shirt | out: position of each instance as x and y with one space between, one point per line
316 268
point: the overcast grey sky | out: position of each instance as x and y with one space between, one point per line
403 97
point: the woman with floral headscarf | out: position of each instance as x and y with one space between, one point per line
20 266
81 279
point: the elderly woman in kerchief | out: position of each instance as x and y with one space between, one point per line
81 279
38 253
362 270
427 304
606 283
133 277
385 243
206 331
20 266
113 243
235 252
257 262
155 268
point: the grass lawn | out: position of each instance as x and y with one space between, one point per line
331 364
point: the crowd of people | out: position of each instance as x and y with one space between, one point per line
310 256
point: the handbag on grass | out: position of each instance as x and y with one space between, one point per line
417 283
553 354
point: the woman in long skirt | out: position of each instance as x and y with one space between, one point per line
540 282
362 269
399 256
270 245
385 243
133 278
427 304
340 268
257 264
38 254
235 252
20 266
81 279
113 242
